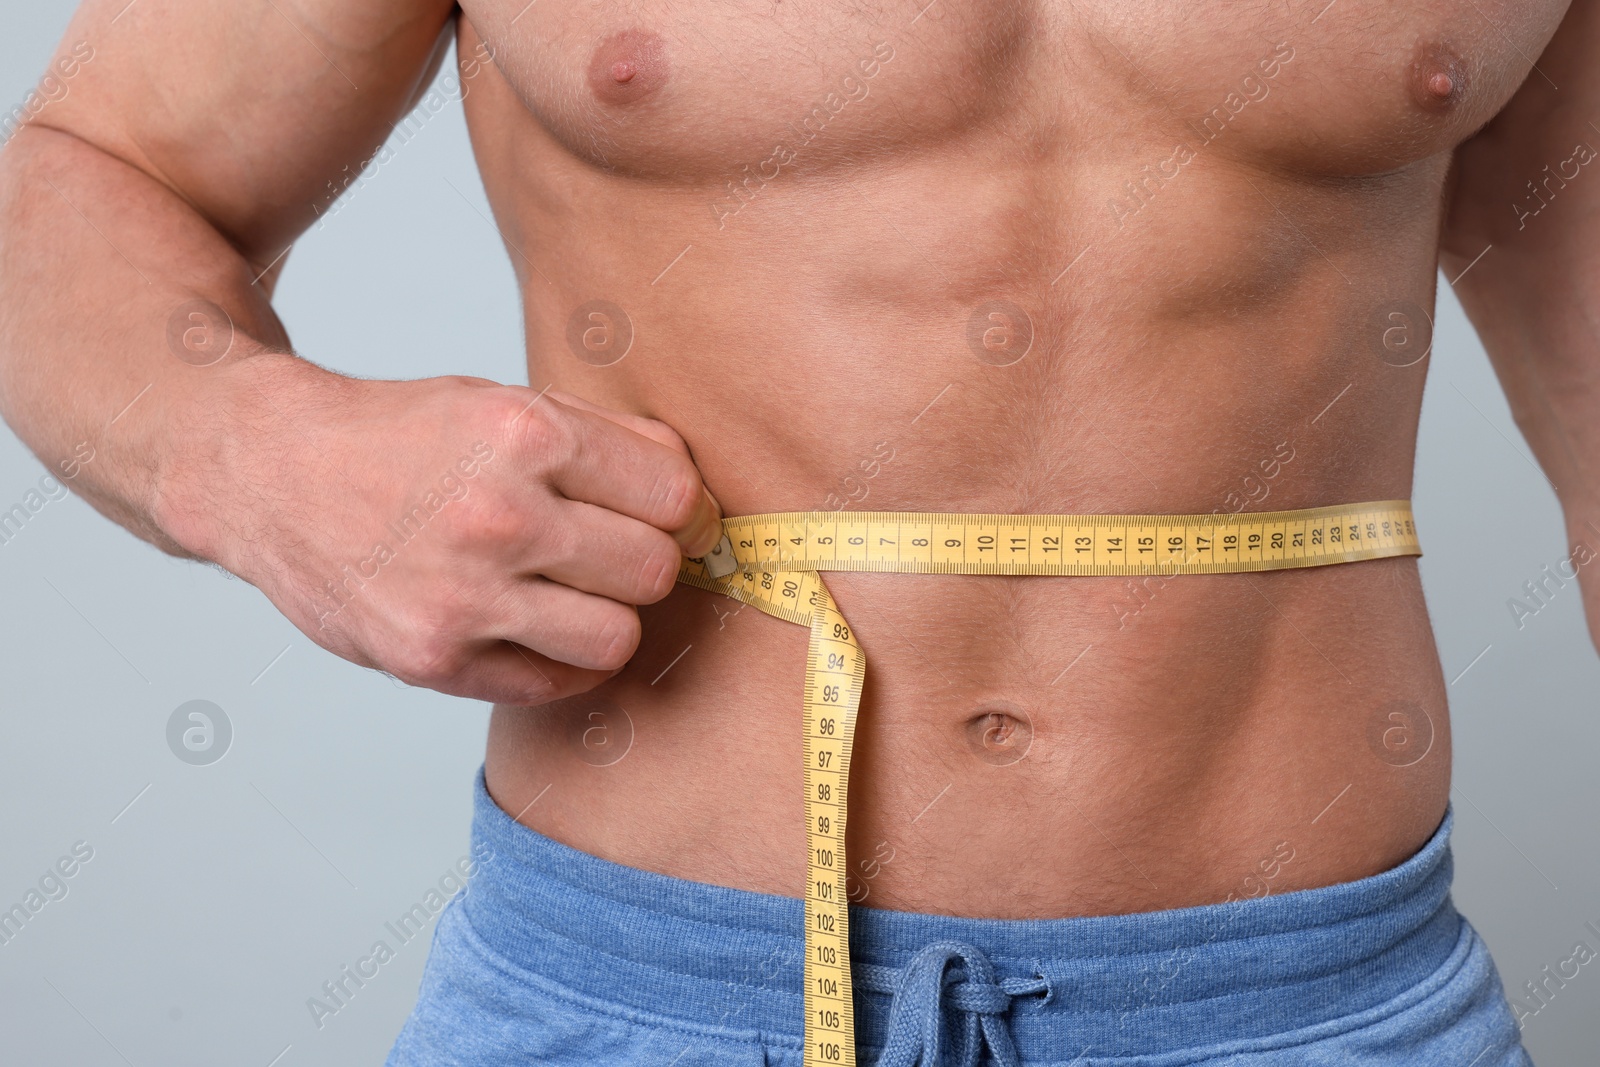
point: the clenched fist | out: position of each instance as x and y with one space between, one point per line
484 540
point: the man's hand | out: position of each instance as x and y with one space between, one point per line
483 540
474 538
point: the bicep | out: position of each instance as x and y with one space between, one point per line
247 109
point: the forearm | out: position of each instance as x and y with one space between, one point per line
484 540
109 365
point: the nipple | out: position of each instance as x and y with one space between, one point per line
1438 77
628 67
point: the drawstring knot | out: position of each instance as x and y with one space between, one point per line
926 986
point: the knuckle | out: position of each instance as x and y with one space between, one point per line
556 546
615 639
658 570
675 495
436 673
539 689
504 530
489 520
536 429
433 656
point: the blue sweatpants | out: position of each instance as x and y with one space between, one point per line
554 957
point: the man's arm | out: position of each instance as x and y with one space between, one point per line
180 164
185 157
1527 188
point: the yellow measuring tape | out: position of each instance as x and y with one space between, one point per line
771 562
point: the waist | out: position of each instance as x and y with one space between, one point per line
1106 750
675 949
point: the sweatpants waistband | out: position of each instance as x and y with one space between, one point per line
1146 983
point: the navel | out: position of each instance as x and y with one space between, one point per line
1438 77
1000 733
628 67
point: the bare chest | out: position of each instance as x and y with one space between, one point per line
680 92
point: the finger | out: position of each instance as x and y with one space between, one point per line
614 468
564 624
654 429
506 673
599 551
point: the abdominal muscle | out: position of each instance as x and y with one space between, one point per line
1027 747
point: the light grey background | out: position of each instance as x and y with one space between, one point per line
221 897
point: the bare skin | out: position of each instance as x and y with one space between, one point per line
1202 224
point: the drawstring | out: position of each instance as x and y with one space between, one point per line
926 985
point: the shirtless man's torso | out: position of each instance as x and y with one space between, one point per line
1202 214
